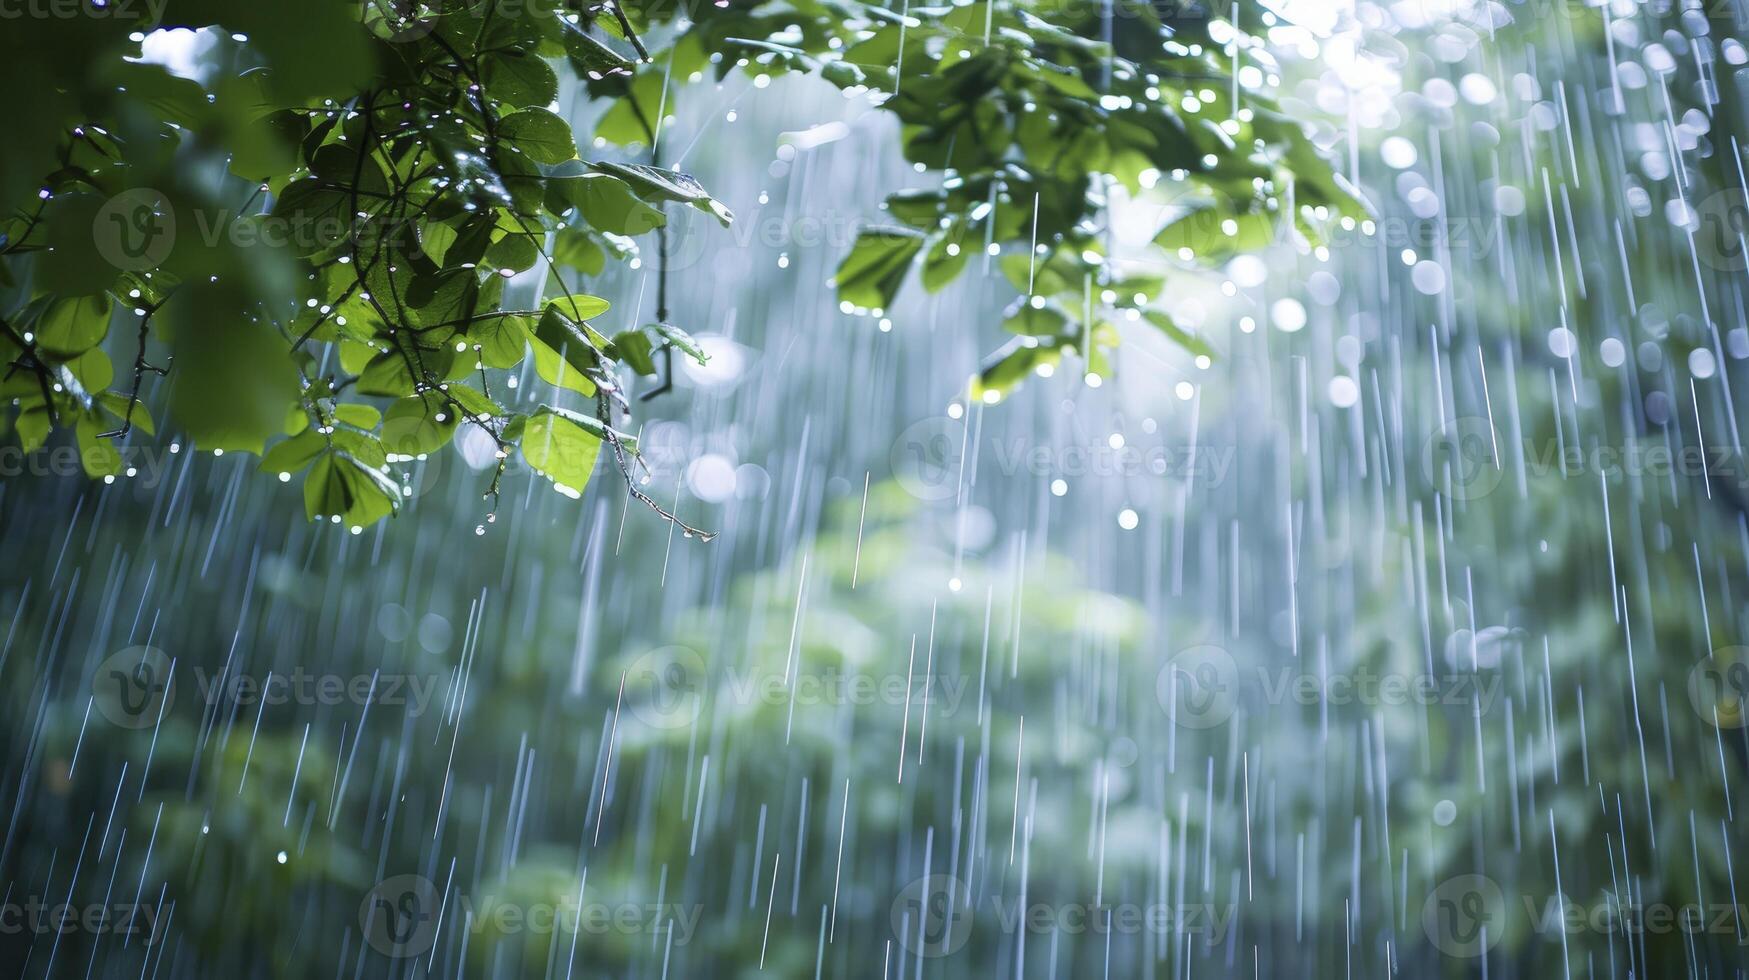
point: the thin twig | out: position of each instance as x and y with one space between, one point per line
631 35
140 369
619 456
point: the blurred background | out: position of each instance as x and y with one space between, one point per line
1399 635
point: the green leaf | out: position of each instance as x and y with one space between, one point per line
99 455
269 147
338 165
944 263
89 372
354 355
294 453
1064 80
580 306
1184 338
656 184
514 252
560 450
591 425
72 325
563 353
593 59
608 204
33 427
870 276
477 406
444 298
554 370
1216 233
316 215
361 444
682 341
633 347
236 382
843 74
354 413
118 405
74 264
471 241
1009 366
500 340
574 249
544 137
1045 321
418 424
1062 270
435 239
519 78
387 374
339 486
918 207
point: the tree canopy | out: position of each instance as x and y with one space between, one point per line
339 237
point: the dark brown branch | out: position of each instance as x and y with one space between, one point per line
35 365
631 35
140 369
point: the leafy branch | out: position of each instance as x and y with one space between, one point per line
385 175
